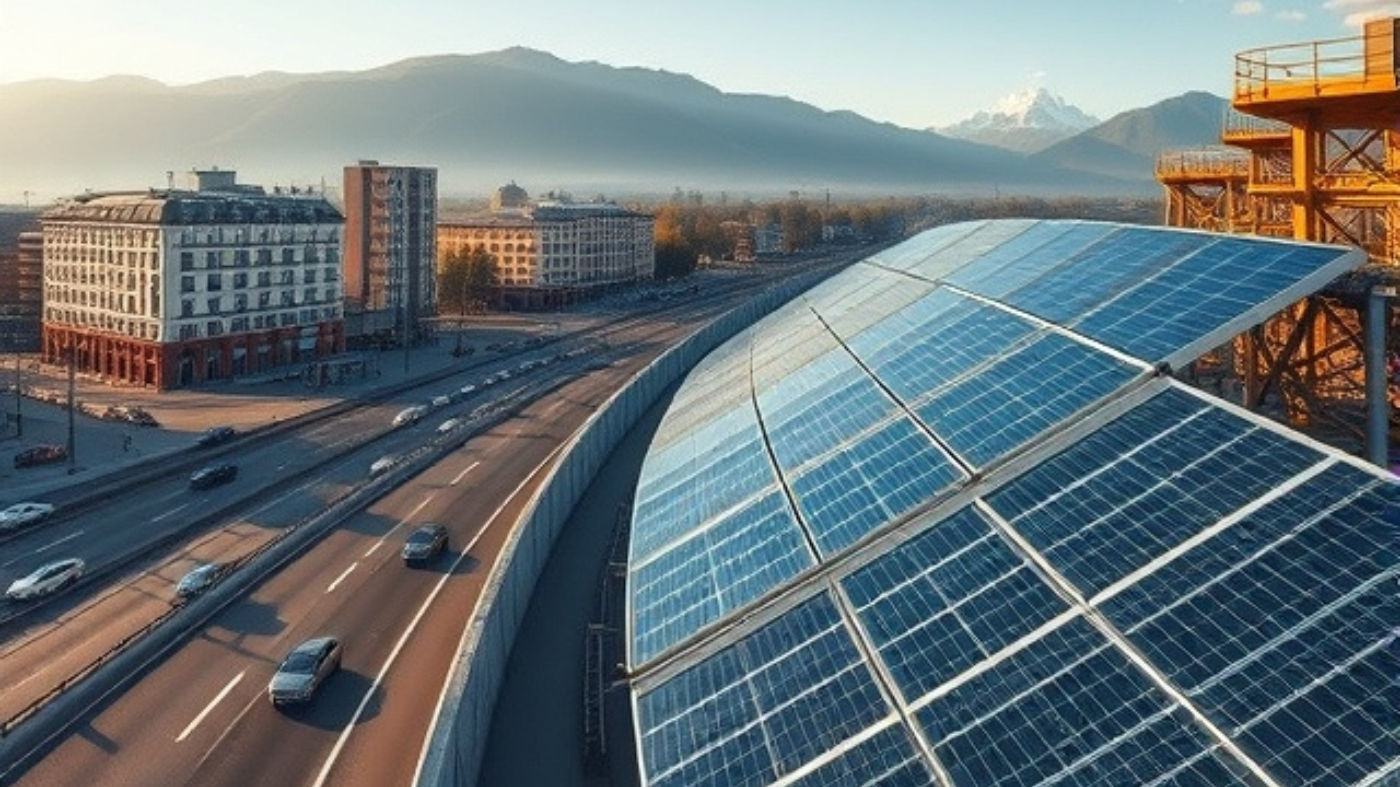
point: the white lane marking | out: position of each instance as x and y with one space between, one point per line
408 632
210 707
470 468
171 512
411 514
63 540
342 577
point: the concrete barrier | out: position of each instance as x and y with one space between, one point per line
457 742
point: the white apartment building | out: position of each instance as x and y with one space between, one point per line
169 288
547 252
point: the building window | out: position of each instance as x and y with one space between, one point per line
240 302
186 284
308 276
240 281
215 282
186 260
288 257
214 305
264 255
186 308
215 327
189 332
240 258
308 295
264 300
264 278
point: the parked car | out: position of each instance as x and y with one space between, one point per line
216 435
199 579
40 455
213 475
24 514
425 544
410 415
46 579
304 670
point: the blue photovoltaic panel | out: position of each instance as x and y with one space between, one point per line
1067 710
947 599
936 341
1283 628
1028 256
709 477
761 708
732 562
879 477
988 414
1144 483
1092 277
820 407
1279 627
1199 294
887 759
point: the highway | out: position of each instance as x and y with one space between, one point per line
200 715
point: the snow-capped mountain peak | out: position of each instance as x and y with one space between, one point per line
1028 121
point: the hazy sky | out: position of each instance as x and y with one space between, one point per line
915 63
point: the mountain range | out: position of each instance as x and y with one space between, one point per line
526 116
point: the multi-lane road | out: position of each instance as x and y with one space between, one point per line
200 714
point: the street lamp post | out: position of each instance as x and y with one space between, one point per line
72 441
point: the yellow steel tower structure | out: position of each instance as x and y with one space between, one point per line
1320 123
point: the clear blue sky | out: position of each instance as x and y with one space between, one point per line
915 63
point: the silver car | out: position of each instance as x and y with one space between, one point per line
46 579
24 514
304 670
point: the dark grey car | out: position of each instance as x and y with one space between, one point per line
304 670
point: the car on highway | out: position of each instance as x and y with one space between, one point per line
425 544
441 401
199 579
216 435
466 390
410 415
383 464
304 670
46 579
449 425
40 455
213 475
24 514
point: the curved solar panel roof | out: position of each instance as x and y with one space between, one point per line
949 519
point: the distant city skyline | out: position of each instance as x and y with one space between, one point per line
913 63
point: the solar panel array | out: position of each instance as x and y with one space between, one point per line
944 520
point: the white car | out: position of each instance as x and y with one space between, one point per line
383 464
24 514
410 415
441 401
46 579
449 425
466 390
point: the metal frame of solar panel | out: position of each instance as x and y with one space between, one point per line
1139 584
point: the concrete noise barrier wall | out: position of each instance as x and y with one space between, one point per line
457 741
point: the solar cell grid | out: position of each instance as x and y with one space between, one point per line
1061 711
781 697
987 414
726 565
1136 488
1028 256
1096 274
938 341
880 476
887 759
